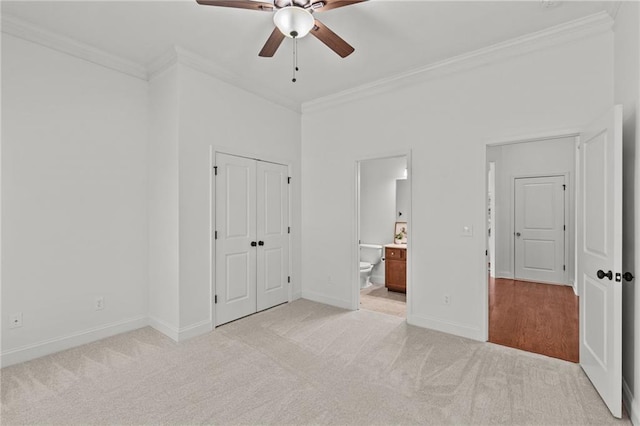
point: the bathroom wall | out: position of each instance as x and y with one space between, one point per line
378 203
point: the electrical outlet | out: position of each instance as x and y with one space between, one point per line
15 320
99 303
446 299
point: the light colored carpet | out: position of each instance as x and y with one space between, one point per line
301 363
378 298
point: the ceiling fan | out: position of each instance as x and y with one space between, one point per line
294 19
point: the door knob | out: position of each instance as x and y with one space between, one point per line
260 243
601 274
517 234
253 244
628 276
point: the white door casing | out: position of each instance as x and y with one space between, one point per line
600 249
236 229
272 234
539 237
252 241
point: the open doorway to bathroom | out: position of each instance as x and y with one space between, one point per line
383 216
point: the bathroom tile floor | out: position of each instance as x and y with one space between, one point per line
377 298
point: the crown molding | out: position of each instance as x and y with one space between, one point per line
553 36
26 31
194 61
612 7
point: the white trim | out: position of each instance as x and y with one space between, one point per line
26 31
206 66
630 404
559 34
194 330
321 298
50 346
164 328
297 295
449 327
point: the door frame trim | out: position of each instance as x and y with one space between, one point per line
531 137
213 151
355 262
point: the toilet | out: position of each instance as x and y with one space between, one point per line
370 256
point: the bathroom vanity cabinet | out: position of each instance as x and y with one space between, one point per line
395 275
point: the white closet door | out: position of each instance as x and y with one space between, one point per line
540 229
236 230
273 238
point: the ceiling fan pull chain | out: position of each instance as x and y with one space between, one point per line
295 58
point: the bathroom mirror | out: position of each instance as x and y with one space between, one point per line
402 200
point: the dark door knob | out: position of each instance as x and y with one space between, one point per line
253 244
518 234
628 276
260 243
601 274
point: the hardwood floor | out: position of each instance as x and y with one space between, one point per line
540 318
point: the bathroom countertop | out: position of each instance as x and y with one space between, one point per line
396 246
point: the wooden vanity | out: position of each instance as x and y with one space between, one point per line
395 270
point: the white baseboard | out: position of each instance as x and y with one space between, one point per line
327 300
182 333
50 346
632 405
504 274
164 328
194 330
447 327
297 295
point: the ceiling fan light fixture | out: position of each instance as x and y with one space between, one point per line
293 21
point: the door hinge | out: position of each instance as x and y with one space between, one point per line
215 235
215 170
288 279
564 267
486 252
215 299
564 227
564 187
288 230
289 179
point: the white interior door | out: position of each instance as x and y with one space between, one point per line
600 256
540 229
272 232
236 230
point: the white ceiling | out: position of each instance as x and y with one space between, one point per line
390 37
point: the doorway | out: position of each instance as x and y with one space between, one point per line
382 215
533 304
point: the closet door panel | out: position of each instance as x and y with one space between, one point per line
272 230
236 228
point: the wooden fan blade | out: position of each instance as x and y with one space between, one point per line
272 44
332 40
239 4
334 4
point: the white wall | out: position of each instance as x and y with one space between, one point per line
215 114
627 93
74 200
550 157
446 122
378 203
